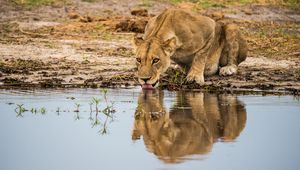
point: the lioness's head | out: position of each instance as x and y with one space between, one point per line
152 59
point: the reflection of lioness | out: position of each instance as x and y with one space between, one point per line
191 126
195 42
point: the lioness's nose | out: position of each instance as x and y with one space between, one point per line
145 79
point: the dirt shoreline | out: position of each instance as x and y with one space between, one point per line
88 45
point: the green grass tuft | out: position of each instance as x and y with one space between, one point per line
30 4
33 3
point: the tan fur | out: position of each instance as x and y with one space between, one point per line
195 42
191 126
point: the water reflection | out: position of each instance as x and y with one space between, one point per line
191 126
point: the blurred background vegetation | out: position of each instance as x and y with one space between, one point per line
204 3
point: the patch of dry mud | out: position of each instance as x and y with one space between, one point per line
269 63
71 61
264 13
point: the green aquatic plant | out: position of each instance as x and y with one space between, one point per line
43 110
96 101
20 109
177 77
58 111
91 106
91 116
77 117
104 91
101 121
91 110
109 110
77 105
96 121
34 110
103 130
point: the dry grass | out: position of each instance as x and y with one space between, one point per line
221 3
273 40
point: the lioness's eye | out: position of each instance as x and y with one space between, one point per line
156 60
138 60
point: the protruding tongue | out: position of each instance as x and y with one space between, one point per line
147 86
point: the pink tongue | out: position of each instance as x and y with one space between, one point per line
147 86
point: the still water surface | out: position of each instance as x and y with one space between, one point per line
130 129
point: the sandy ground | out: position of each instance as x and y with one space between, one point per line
83 44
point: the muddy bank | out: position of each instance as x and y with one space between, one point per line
89 45
252 77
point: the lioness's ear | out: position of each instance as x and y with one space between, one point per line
137 40
170 45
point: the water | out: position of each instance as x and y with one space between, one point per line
154 130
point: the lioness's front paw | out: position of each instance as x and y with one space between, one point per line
198 78
228 70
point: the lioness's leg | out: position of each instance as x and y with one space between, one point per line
229 59
197 68
196 71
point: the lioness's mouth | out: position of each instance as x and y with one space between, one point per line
149 86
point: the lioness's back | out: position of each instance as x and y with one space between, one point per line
179 21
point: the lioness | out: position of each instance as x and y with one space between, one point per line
190 126
195 42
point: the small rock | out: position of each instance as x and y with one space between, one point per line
100 18
82 19
132 25
85 62
89 19
247 12
36 19
139 12
86 19
73 15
